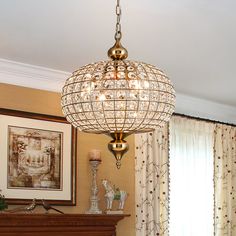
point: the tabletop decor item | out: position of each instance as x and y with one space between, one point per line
95 155
26 209
39 152
113 193
3 204
48 207
94 161
118 97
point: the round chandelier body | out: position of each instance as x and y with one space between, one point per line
118 97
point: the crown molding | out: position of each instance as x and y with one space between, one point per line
12 72
203 108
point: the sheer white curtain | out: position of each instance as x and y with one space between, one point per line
191 177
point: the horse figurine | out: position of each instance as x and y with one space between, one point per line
114 194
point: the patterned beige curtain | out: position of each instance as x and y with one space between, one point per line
225 180
151 190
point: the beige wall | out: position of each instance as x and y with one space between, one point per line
32 100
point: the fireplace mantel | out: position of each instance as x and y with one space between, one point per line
58 224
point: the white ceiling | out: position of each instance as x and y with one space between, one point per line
193 41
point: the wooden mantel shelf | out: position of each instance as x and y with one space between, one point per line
58 224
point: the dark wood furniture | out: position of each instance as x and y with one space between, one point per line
58 224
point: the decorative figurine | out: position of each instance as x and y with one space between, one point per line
48 207
3 204
29 208
114 194
94 160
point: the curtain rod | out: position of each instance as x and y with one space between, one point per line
204 119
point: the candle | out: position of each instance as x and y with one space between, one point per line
95 155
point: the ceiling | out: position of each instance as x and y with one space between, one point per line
192 41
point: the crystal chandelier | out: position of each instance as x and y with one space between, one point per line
118 97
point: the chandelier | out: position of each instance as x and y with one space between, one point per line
118 97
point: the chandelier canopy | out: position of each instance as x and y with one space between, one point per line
118 97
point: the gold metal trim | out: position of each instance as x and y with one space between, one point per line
117 52
118 146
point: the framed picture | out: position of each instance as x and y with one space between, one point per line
37 158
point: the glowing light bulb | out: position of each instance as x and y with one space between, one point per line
102 97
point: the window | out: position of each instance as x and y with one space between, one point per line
191 177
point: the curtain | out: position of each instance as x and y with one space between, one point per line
225 180
151 183
191 177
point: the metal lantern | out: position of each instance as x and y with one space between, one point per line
118 97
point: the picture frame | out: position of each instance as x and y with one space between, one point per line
37 158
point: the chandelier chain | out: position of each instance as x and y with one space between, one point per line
118 25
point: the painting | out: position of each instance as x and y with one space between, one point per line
39 153
34 158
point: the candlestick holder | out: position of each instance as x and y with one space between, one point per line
94 208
